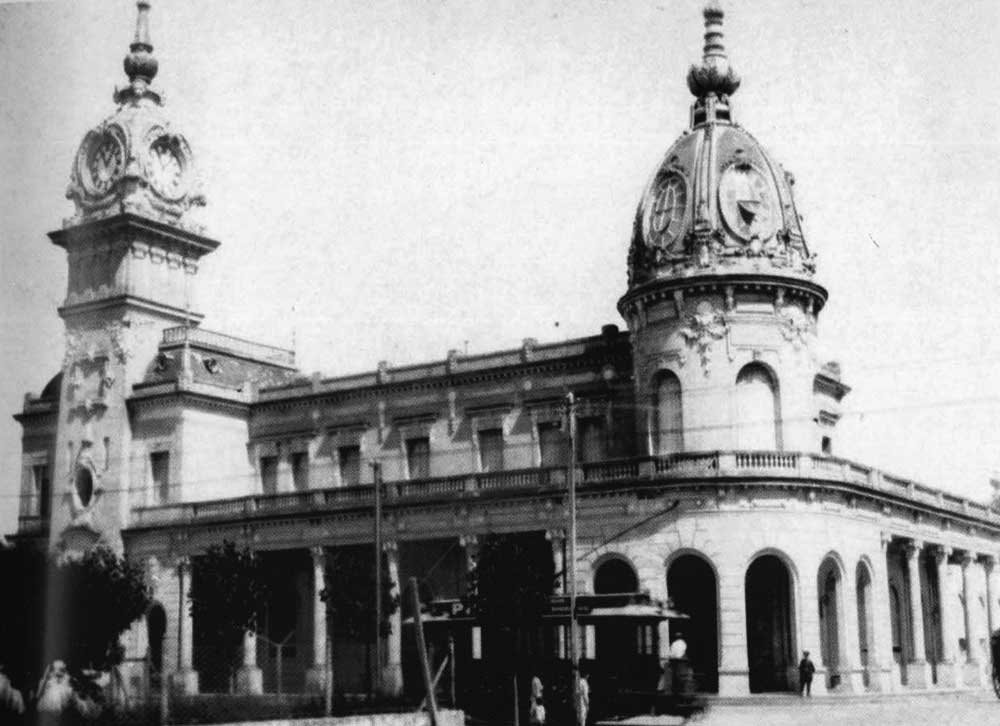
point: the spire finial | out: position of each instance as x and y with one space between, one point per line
714 75
140 63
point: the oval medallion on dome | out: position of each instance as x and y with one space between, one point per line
666 215
748 206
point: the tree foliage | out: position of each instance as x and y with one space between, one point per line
100 595
70 607
512 581
23 570
228 594
350 594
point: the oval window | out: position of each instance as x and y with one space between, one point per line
84 486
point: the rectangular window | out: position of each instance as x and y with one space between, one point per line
552 444
300 470
827 446
418 458
42 490
591 438
350 465
159 476
491 450
269 474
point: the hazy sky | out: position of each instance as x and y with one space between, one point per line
394 179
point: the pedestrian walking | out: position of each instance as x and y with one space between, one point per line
806 670
536 711
582 699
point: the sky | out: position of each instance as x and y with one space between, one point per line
391 180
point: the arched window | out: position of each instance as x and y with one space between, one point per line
613 576
84 486
757 409
669 416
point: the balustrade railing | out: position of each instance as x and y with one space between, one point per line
639 470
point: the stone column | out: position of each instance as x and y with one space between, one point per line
185 679
316 676
992 592
948 677
918 670
883 672
971 672
470 543
734 666
808 638
558 539
249 678
851 679
392 671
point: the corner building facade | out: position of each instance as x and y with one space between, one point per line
707 436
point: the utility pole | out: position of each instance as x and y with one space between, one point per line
574 654
377 669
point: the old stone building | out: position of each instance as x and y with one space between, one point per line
707 433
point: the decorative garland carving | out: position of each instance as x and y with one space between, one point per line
706 325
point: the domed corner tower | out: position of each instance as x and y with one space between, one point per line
722 303
133 250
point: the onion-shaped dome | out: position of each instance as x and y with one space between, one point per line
718 203
135 161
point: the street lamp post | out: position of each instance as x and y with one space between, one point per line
574 653
377 669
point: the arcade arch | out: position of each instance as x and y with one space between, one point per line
770 611
693 590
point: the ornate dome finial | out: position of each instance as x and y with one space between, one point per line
140 64
714 75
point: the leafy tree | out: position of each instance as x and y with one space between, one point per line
229 592
508 592
100 595
350 596
23 571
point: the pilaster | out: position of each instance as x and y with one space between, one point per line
316 676
185 679
972 674
948 675
392 670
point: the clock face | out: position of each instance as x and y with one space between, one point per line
105 163
747 204
666 216
166 167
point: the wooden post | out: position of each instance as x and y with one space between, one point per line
377 670
451 669
328 680
425 667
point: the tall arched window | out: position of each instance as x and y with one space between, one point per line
669 416
757 409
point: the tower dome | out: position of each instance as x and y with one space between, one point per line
135 161
718 204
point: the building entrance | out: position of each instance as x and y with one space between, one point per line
692 588
770 639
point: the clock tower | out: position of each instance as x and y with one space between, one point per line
133 250
722 302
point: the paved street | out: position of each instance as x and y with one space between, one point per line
979 709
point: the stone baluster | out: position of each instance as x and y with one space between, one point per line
317 674
918 671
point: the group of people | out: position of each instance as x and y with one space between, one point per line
536 708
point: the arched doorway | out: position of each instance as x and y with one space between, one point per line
693 591
863 590
770 629
156 628
830 617
616 642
